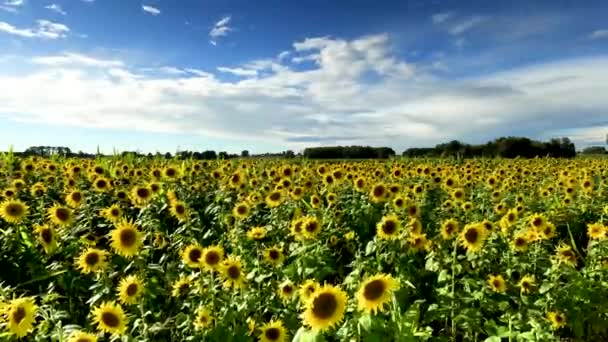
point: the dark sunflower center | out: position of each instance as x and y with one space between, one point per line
203 319
389 227
83 339
378 191
183 288
311 227
128 237
471 235
520 242
399 202
212 258
62 214
241 210
115 212
525 285
143 193
374 290
537 222
272 334
101 183
274 254
496 283
275 196
14 209
298 227
568 254
170 172
315 200
156 173
91 259
38 192
287 289
121 195
76 196
234 272
46 235
110 319
559 318
132 290
324 306
413 211
19 314
180 209
195 255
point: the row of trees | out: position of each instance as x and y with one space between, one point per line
348 152
505 147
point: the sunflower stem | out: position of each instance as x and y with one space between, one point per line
455 243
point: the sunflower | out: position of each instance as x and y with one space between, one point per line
307 289
170 172
274 255
101 184
13 211
92 260
232 270
203 318
538 222
520 242
418 242
497 283
126 239
325 308
526 283
112 213
311 228
296 228
315 201
212 257
130 289
286 290
20 313
110 318
74 199
47 237
565 255
472 237
179 211
141 195
375 292
596 231
548 231
241 210
399 202
557 319
378 193
181 286
60 215
192 256
81 336
274 199
415 226
388 228
256 233
449 229
273 332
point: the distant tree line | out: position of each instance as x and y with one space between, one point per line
348 152
505 147
594 150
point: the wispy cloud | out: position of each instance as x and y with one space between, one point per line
45 30
56 8
238 71
466 25
150 9
11 6
220 29
439 18
599 34
76 59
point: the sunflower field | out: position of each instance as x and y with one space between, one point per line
127 249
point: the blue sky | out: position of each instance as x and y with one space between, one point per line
273 75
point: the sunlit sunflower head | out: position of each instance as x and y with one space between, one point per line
192 256
92 260
296 228
315 201
497 283
449 229
378 193
565 255
212 257
548 232
112 213
274 255
232 271
526 283
557 319
101 184
130 289
307 289
274 331
311 228
388 228
286 290
325 308
75 198
399 202
47 237
179 210
538 222
141 195
82 336
170 172
110 318
412 209
520 242
596 231
418 242
472 237
13 211
60 215
376 292
274 198
241 210
20 315
182 286
126 239
38 189
257 233
203 319
9 193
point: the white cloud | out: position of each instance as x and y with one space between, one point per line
599 34
45 30
11 6
466 25
220 29
238 71
75 59
439 18
150 9
56 8
334 101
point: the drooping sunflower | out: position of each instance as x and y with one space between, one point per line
557 319
20 314
526 283
565 255
60 215
418 242
497 283
126 239
212 257
241 210
47 237
286 290
548 232
112 213
179 211
92 260
274 331
449 229
232 270
315 201
296 228
596 231
375 292
110 318
203 318
307 289
274 255
472 237
388 228
13 211
182 286
325 308
256 233
82 336
130 289
192 256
